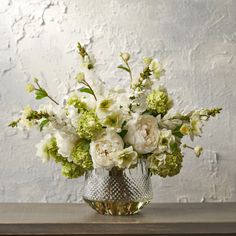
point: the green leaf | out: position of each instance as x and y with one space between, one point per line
123 133
174 147
123 68
86 90
177 133
41 93
43 123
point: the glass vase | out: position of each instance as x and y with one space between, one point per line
118 192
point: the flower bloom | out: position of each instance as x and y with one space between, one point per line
159 102
143 133
65 143
104 149
126 158
44 148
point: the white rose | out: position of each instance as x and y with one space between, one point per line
65 143
143 133
104 149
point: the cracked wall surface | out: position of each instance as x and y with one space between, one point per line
195 40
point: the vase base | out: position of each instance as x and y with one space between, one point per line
116 208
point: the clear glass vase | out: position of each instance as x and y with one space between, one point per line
118 192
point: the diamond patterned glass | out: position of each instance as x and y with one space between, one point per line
118 192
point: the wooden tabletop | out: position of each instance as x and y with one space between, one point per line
159 219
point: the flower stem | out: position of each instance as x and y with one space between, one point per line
130 73
40 88
87 84
53 100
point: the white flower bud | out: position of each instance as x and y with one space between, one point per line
80 77
198 150
125 56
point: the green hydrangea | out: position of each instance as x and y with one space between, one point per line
70 170
80 155
77 103
165 164
158 102
88 125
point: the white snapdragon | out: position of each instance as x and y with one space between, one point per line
24 122
43 148
143 133
66 142
104 149
73 115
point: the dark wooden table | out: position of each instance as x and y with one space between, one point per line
158 219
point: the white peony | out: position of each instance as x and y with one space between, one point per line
143 133
104 149
65 142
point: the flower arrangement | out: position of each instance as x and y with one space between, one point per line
94 128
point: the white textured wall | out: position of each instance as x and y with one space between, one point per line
196 40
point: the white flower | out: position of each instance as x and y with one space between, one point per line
196 126
138 101
168 122
65 143
48 108
198 151
126 158
73 115
125 56
143 133
104 149
80 77
113 110
165 140
24 122
43 148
